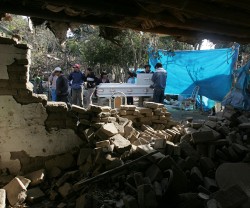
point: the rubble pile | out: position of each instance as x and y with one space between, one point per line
138 157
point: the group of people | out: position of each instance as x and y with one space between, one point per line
76 81
159 82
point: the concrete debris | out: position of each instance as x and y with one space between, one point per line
138 157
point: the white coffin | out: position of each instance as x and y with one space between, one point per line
144 79
107 90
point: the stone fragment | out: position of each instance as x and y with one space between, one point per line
120 143
16 192
130 201
35 195
65 189
128 107
24 180
2 198
56 106
78 109
196 175
81 201
145 149
202 136
36 177
106 131
55 172
210 184
206 165
188 150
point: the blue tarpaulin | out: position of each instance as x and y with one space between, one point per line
211 70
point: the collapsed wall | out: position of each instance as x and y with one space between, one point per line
24 140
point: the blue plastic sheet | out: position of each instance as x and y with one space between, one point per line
211 70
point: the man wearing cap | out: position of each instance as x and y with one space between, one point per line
77 78
52 81
147 69
62 86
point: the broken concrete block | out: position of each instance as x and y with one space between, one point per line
143 110
121 144
202 136
56 107
233 197
130 201
24 180
65 189
211 124
35 195
81 201
106 131
16 192
36 177
95 108
154 173
138 178
160 144
240 149
105 145
188 150
128 107
206 165
83 155
146 196
78 109
2 198
145 149
158 190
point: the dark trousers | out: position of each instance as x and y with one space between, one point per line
62 98
130 101
158 96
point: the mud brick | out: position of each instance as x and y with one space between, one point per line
2 198
196 175
25 181
56 106
188 150
78 109
143 120
206 165
232 197
122 112
154 173
146 196
113 162
202 136
217 135
210 184
121 144
65 189
156 157
95 108
16 192
128 107
211 124
130 201
145 149
106 131
172 149
131 117
35 195
36 177
240 149
160 144
242 119
189 130
152 105
244 126
144 110
120 128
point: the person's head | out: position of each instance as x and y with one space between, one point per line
104 75
76 67
57 71
158 65
147 68
89 71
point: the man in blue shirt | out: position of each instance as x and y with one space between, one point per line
77 78
159 79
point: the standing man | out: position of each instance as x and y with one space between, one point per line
77 78
159 79
52 82
147 69
92 81
62 86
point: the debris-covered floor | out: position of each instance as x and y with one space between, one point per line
139 157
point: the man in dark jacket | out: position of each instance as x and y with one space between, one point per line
159 79
62 86
92 81
77 78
